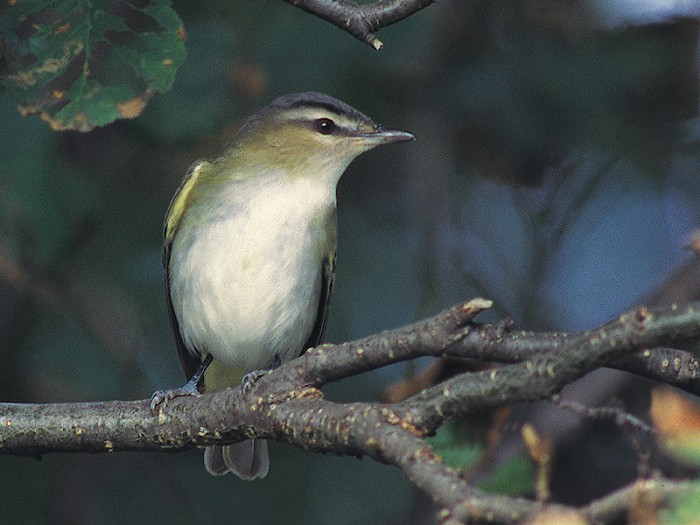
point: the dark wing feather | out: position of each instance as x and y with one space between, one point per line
319 329
189 361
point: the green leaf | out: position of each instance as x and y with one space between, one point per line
452 443
457 446
684 508
81 64
513 478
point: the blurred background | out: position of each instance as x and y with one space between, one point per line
555 171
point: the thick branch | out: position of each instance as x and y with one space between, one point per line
545 374
286 405
362 21
452 333
499 343
37 429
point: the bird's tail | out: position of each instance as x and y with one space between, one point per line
248 459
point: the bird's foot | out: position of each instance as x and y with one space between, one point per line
250 378
161 397
191 388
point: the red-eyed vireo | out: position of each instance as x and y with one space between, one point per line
249 249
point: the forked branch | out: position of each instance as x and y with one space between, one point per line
287 405
362 20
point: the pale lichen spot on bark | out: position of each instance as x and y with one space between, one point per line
444 514
372 442
642 315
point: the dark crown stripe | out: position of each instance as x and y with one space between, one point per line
319 100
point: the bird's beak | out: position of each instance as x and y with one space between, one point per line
387 136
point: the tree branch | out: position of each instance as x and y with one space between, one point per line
545 374
362 21
286 405
498 343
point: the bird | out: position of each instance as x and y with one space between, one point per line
249 249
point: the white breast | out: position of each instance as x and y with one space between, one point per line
246 287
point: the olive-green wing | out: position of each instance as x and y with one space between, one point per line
189 358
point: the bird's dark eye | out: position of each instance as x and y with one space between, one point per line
324 126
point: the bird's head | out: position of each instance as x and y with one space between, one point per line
307 133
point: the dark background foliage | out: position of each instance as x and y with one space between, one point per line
555 172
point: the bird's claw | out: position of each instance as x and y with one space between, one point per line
250 378
161 397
